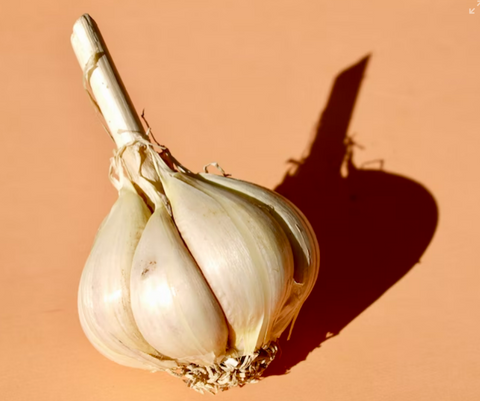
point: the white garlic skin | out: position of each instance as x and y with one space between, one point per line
306 251
241 250
104 293
173 306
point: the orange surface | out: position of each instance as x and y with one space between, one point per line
245 83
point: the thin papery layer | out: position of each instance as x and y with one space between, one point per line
173 306
104 294
241 250
306 252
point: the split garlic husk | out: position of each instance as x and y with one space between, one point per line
194 274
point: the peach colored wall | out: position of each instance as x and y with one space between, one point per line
245 83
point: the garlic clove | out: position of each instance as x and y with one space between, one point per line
104 296
306 252
171 301
242 251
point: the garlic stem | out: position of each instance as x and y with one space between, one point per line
107 92
101 77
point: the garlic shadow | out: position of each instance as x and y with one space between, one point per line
372 226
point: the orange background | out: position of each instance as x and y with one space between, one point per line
245 83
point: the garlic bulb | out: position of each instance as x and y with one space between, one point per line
194 274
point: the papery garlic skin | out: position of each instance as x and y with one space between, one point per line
104 293
173 306
306 252
242 251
